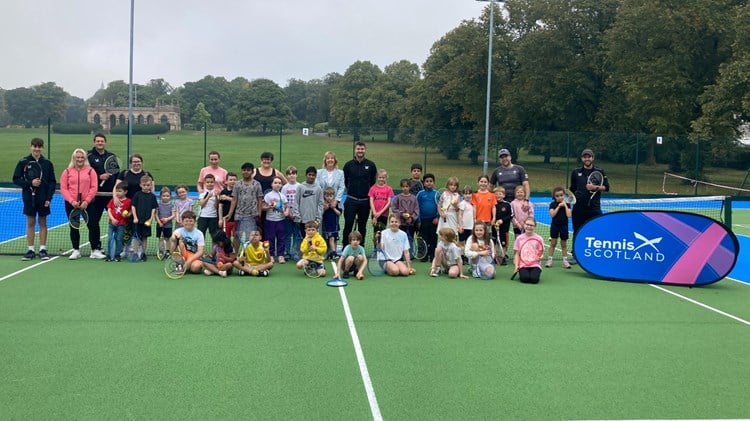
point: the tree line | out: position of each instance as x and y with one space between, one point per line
614 73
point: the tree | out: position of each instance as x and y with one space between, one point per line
216 93
384 104
75 110
201 117
261 106
345 97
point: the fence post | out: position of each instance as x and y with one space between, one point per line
205 139
635 186
49 137
281 134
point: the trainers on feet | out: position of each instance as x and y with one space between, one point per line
29 255
143 257
223 273
207 272
435 272
566 264
43 254
263 273
97 254
75 255
549 263
282 260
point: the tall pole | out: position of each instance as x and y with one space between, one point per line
489 89
130 84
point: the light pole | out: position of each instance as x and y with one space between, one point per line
489 87
130 85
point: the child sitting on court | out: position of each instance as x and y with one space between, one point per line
222 255
353 258
529 269
395 246
257 260
480 250
313 249
189 242
447 256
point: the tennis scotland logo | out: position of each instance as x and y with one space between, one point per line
663 247
624 249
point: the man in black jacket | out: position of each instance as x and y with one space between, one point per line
359 175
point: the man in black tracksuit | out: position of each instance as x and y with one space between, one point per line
359 175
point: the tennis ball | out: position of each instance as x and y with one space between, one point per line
412 271
219 264
147 223
405 215
254 272
125 213
266 244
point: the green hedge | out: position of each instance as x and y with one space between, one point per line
141 129
76 128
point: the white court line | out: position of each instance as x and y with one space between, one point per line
706 306
10 275
374 407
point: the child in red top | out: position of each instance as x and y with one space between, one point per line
118 218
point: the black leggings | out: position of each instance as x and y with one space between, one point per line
530 275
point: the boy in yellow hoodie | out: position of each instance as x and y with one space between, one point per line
313 249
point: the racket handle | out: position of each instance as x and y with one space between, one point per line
512 277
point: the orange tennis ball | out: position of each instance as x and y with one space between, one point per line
219 264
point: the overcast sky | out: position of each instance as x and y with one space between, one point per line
81 43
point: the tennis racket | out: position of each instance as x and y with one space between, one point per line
311 269
112 166
569 197
439 202
162 249
76 217
32 171
597 179
531 252
174 267
336 281
134 250
499 249
419 246
376 263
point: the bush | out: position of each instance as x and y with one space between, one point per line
141 129
76 128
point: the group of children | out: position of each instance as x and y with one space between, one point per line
471 227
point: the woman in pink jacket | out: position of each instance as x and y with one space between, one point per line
78 185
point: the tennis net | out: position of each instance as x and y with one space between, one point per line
13 228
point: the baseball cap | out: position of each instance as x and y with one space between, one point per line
587 152
503 152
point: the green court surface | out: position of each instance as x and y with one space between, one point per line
93 340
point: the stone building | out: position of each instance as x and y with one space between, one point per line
110 117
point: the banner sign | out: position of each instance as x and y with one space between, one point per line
659 247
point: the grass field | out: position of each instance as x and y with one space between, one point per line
179 158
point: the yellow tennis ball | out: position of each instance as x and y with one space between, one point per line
412 271
147 223
125 213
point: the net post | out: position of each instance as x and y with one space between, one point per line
728 211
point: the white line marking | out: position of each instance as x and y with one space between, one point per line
10 275
706 306
374 407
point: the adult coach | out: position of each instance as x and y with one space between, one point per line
106 185
359 175
331 176
510 176
36 193
219 173
588 196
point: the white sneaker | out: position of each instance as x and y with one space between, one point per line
223 273
207 272
549 263
75 255
97 254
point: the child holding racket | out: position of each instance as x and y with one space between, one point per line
118 219
381 195
293 234
313 248
255 260
480 250
226 221
221 258
209 202
447 256
560 212
529 249
406 209
189 242
166 213
504 213
353 257
395 245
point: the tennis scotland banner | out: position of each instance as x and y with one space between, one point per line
660 247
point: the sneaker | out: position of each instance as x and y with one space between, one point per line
504 262
435 272
29 255
240 273
566 264
345 275
75 255
97 254
223 273
207 272
263 273
572 260
118 259
43 254
282 260
107 259
143 257
549 263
